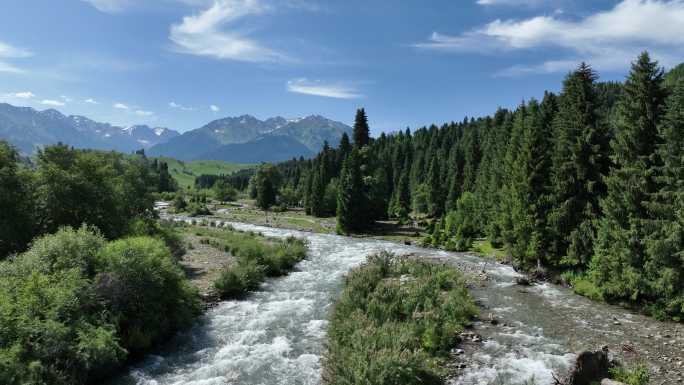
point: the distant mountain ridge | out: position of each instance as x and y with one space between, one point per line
29 129
247 139
241 139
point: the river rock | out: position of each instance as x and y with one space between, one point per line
589 368
523 281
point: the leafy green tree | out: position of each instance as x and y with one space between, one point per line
82 186
620 255
267 182
361 131
17 222
223 191
166 181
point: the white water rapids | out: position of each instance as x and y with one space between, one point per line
276 335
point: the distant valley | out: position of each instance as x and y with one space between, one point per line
242 139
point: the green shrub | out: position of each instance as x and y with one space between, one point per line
636 376
198 209
395 322
74 307
145 291
582 285
272 257
236 281
164 231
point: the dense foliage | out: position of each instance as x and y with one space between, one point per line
588 181
395 322
256 258
74 307
69 187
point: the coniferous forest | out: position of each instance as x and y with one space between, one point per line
587 183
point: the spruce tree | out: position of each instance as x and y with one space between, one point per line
617 266
530 174
317 192
350 198
345 145
663 266
580 161
403 197
435 188
361 131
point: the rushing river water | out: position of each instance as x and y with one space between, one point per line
276 335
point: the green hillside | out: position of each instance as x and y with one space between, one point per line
185 172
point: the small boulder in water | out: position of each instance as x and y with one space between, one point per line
523 281
589 368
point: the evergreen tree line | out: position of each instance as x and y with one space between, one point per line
588 181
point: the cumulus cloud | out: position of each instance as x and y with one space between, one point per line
214 108
121 106
607 39
91 101
50 102
318 88
209 33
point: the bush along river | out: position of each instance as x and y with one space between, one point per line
276 335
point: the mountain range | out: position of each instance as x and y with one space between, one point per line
243 139
29 129
247 139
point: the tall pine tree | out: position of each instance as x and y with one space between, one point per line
361 131
580 161
351 201
664 264
617 266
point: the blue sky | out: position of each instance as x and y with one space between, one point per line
182 63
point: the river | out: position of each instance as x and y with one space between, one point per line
276 335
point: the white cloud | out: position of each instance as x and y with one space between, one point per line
54 103
607 39
318 88
144 113
10 52
22 95
91 101
214 108
180 106
209 34
121 106
110 6
66 99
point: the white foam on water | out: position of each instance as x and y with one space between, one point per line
276 335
